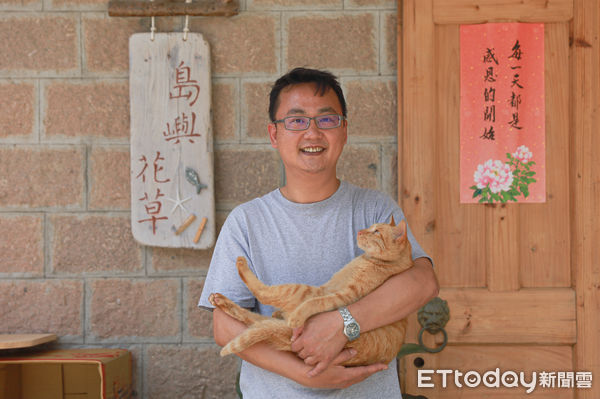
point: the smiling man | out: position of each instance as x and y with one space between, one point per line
304 232
309 147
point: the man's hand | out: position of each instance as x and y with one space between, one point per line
320 342
339 377
288 364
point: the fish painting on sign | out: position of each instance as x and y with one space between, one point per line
192 177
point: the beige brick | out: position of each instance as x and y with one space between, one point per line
109 178
34 177
245 43
189 371
177 259
77 4
389 61
106 42
87 109
46 45
244 174
372 108
17 5
225 110
17 104
256 109
139 308
198 320
21 244
293 4
345 42
48 306
369 3
359 165
93 244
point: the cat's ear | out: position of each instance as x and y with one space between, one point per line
400 231
392 223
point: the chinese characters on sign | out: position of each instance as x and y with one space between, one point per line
185 88
153 208
181 128
170 141
502 121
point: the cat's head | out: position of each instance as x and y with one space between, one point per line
385 241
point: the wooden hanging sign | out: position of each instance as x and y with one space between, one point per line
171 167
166 8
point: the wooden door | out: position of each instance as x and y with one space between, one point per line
521 280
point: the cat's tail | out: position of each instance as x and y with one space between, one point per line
247 276
274 331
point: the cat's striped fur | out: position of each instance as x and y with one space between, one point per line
387 252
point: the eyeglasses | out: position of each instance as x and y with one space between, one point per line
330 121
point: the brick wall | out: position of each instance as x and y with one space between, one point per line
68 263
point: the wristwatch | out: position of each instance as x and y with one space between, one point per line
351 327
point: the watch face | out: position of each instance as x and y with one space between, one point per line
352 330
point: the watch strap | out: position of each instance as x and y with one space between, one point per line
346 315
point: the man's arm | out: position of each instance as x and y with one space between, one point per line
321 338
398 297
287 364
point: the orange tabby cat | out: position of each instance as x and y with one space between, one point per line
387 252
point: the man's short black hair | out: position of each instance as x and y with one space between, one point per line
323 80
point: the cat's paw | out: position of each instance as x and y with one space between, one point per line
278 314
295 319
217 299
226 350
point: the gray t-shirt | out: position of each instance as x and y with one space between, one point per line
288 242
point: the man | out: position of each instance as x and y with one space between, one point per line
303 233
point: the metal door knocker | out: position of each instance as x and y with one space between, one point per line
433 318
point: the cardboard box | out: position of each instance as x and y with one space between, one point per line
67 374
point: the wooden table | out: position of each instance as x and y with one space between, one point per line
12 341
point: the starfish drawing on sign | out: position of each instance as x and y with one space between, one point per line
178 201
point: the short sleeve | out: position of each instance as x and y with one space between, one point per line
222 276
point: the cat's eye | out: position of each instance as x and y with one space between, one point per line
376 232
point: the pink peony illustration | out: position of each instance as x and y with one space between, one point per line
496 181
495 174
523 154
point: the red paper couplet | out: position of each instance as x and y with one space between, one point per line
502 121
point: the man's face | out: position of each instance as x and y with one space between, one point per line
312 150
